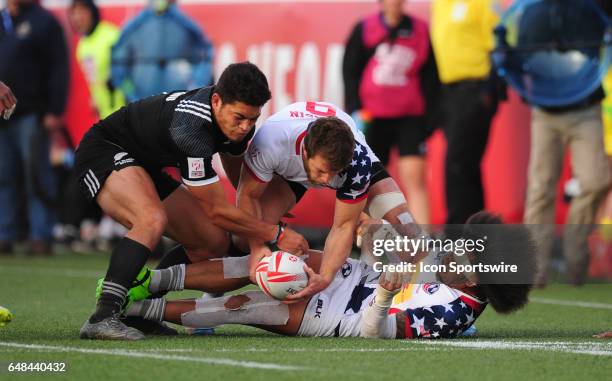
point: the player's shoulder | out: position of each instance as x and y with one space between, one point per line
192 106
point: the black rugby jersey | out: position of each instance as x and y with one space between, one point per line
175 129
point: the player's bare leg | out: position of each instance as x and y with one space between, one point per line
129 197
412 176
188 225
212 276
251 308
235 305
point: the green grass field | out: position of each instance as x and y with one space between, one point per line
51 297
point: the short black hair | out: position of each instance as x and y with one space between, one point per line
243 82
333 139
93 8
511 244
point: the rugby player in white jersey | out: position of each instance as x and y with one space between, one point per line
315 144
359 300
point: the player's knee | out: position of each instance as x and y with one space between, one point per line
154 220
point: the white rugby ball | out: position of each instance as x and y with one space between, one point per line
281 274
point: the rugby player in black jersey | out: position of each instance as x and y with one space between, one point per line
120 162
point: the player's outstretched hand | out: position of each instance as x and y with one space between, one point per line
604 335
293 242
391 281
256 255
316 283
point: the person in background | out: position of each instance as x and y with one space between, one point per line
34 65
93 53
159 50
391 83
577 126
462 38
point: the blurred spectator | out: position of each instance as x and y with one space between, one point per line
462 38
391 84
94 54
578 126
34 64
160 50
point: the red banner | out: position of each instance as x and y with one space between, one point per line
299 45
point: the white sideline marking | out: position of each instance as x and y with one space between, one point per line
72 273
586 348
128 353
572 303
309 350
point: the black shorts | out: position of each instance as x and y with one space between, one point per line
298 189
96 158
407 133
378 173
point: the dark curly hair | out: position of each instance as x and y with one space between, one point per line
511 244
243 82
333 139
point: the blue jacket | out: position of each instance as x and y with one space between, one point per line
34 60
161 52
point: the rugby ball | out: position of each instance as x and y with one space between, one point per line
281 274
5 316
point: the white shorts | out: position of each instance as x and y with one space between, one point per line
336 311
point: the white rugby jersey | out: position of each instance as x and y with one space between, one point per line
277 149
432 309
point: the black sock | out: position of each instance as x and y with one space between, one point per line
127 259
175 256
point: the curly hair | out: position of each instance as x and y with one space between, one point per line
511 244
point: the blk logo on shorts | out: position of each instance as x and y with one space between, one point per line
318 309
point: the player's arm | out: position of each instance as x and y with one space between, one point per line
376 322
338 246
250 190
227 216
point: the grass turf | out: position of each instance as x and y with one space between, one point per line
51 297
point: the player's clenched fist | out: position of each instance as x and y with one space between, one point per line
293 242
7 99
391 281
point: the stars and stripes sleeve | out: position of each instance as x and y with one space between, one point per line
356 177
442 321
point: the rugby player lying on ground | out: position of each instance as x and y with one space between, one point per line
359 301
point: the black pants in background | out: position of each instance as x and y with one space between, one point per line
469 109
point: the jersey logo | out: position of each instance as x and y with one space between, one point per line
196 167
121 159
120 156
431 288
346 269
